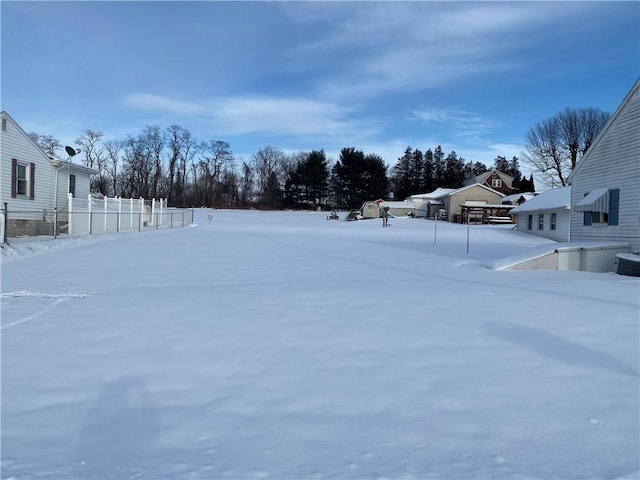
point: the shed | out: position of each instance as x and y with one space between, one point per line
370 210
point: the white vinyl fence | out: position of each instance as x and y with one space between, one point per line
112 215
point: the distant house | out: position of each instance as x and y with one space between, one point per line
546 215
33 183
495 180
473 203
517 198
428 204
605 185
476 202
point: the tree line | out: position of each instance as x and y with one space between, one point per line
172 163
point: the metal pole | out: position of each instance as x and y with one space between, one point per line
467 234
435 230
55 222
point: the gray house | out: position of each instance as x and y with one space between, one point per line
33 183
547 215
605 185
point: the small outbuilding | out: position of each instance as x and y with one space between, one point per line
370 210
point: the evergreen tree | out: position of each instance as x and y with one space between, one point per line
428 172
438 167
454 171
357 178
417 173
401 175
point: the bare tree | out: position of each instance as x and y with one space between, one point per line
213 157
267 163
94 157
113 148
555 146
179 143
47 143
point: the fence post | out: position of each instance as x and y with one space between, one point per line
106 214
183 218
90 215
5 223
119 214
70 210
153 211
55 222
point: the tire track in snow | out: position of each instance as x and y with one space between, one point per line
61 297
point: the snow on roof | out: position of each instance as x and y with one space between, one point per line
437 193
462 189
547 200
510 198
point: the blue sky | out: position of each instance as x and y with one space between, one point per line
473 77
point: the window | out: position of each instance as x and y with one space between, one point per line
553 221
23 179
496 182
72 184
530 226
541 221
600 207
4 124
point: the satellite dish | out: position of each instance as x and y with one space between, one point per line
71 151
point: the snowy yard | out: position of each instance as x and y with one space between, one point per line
282 345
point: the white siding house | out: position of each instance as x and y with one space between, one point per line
33 184
546 215
605 185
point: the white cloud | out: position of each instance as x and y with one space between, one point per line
460 123
259 114
279 115
157 103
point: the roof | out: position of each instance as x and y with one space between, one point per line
553 199
25 134
516 196
437 193
54 161
475 185
634 90
73 166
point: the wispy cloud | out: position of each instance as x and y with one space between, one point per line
461 123
409 46
157 103
258 114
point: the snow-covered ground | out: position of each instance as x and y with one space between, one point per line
282 345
